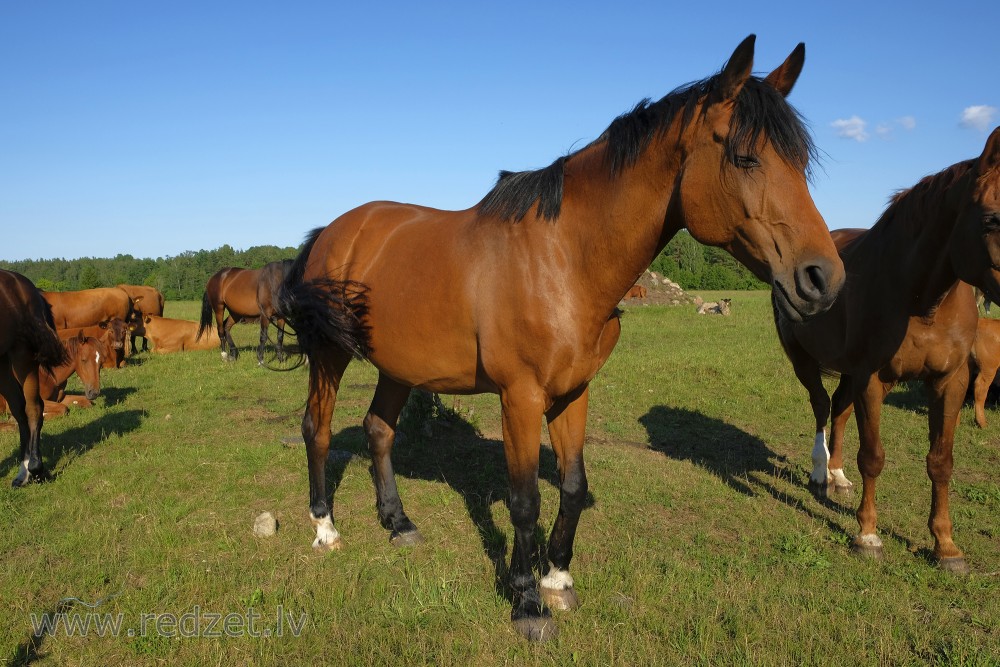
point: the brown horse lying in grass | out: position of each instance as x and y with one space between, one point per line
83 357
27 343
113 335
904 314
986 358
637 292
172 335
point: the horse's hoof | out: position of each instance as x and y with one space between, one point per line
867 550
845 491
408 539
536 628
560 599
820 490
330 545
954 565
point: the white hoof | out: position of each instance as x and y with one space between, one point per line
327 537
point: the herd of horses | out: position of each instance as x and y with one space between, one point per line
726 158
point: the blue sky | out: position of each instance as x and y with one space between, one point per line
151 129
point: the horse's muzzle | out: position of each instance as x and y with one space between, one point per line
813 289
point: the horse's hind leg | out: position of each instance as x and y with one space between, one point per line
229 349
19 385
325 373
947 396
567 424
843 406
380 430
280 339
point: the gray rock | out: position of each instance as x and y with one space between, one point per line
265 525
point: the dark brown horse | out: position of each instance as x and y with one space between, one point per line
272 275
112 335
84 308
903 314
460 301
27 342
233 290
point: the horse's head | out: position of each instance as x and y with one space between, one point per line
975 242
743 184
87 364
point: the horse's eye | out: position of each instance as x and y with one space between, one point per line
746 161
991 222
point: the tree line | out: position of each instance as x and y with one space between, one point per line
183 277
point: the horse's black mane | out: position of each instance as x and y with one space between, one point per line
914 205
760 111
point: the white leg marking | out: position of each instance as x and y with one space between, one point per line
225 355
839 479
820 456
327 536
557 580
871 540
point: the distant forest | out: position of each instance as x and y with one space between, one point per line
181 278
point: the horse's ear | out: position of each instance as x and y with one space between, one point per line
81 336
991 154
737 70
785 76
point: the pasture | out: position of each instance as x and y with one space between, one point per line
700 543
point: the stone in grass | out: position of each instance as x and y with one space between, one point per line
265 525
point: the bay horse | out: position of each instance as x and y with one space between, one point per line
233 290
903 314
986 358
272 275
453 301
28 342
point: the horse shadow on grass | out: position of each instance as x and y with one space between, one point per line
743 461
55 447
452 451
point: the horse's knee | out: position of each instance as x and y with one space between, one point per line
525 508
380 435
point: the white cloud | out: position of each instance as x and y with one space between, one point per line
907 122
978 117
851 128
883 130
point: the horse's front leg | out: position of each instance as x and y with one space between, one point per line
567 429
325 371
842 407
947 396
20 386
871 459
522 421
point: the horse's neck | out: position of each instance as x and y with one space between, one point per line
617 221
920 239
60 374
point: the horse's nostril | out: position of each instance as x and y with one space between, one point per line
817 277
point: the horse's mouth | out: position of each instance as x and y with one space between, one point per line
786 305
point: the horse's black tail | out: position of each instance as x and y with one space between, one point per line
324 312
39 329
206 315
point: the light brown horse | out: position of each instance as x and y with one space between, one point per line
272 275
637 292
460 301
83 358
84 308
148 301
27 342
986 358
233 290
903 314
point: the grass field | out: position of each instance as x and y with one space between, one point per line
701 544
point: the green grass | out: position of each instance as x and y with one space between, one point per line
700 544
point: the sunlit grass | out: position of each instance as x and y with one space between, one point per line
700 546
